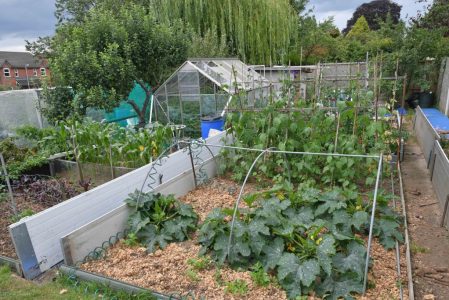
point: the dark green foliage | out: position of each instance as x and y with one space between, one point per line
109 49
375 12
157 220
20 159
309 238
306 131
58 103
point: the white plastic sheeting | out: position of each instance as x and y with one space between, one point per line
18 108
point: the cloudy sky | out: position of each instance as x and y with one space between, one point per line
342 10
28 19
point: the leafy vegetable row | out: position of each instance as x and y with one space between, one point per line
312 240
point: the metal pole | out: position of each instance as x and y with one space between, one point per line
240 196
290 152
406 237
443 218
8 183
26 73
398 259
373 213
193 166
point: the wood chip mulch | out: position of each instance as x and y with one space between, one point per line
165 271
221 193
384 274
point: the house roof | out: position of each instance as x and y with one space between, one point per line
20 59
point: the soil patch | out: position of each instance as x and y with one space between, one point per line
6 219
33 197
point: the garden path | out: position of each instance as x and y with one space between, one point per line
429 242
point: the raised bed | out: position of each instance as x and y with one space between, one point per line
37 238
429 126
93 239
170 271
32 194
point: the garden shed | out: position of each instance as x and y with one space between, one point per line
205 87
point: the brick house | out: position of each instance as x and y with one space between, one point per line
22 70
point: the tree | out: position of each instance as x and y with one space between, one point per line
375 12
110 50
319 41
360 31
437 17
72 10
258 31
299 5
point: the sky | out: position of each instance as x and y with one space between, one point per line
22 20
342 10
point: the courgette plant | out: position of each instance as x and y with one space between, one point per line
311 239
157 220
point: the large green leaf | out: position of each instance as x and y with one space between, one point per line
292 272
353 262
388 232
358 219
325 251
336 289
272 253
136 222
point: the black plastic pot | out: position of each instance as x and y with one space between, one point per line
425 100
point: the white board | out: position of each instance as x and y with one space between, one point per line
82 241
39 240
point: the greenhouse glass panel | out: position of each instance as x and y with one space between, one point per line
174 109
221 102
160 107
171 86
208 105
189 83
191 114
207 86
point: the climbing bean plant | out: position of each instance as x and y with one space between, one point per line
346 130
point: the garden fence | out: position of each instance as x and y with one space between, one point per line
425 133
439 170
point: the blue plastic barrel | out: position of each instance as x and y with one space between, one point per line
211 122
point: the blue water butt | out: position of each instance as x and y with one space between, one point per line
211 122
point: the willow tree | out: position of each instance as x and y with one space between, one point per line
258 31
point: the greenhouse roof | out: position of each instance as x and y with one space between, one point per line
227 73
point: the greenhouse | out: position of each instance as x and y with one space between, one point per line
204 88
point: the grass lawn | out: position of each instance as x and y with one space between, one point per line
13 287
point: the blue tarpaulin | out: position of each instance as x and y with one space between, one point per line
437 119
